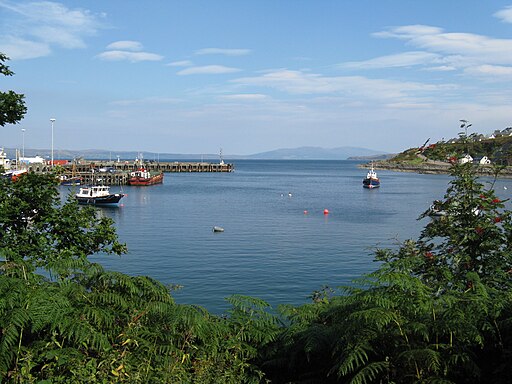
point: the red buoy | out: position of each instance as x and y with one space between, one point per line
326 211
306 212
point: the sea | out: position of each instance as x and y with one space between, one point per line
290 228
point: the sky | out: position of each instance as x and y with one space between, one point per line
250 76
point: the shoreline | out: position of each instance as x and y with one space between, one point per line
435 168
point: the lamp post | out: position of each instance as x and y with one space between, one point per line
53 121
23 143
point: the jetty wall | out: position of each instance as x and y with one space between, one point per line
117 173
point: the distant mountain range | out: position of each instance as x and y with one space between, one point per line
316 153
301 153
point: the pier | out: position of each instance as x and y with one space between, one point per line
117 173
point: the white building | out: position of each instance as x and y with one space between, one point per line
485 160
31 160
466 159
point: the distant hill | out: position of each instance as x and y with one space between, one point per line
302 153
316 153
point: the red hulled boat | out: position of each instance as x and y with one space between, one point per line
143 177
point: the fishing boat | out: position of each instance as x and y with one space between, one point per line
70 180
98 195
14 174
371 180
144 177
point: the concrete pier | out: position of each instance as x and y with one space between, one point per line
117 173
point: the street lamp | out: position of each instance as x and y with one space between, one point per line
23 143
53 121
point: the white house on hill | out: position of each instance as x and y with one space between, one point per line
466 159
485 160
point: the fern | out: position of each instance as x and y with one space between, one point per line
370 373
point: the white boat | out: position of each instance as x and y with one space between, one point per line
98 195
4 161
371 180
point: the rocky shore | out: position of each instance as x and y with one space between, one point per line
434 167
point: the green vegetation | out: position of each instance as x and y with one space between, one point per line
497 149
437 310
65 319
12 105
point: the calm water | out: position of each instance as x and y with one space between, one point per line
271 248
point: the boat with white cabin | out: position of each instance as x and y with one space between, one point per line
371 180
97 195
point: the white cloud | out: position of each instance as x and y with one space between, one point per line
127 50
473 48
405 59
129 56
20 49
400 32
442 68
493 70
245 97
300 83
125 45
46 24
505 14
208 70
182 63
223 51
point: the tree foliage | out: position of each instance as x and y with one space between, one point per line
66 319
12 105
438 309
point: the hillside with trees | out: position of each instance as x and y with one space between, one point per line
497 147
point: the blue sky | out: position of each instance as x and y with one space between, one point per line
251 76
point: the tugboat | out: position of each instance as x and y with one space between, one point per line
98 195
371 181
144 177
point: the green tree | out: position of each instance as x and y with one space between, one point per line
12 105
66 319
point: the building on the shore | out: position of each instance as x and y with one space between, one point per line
485 160
466 159
31 160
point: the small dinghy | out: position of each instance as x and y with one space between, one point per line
218 229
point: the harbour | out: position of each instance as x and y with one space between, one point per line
118 173
277 243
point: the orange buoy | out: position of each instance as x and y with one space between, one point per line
326 211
